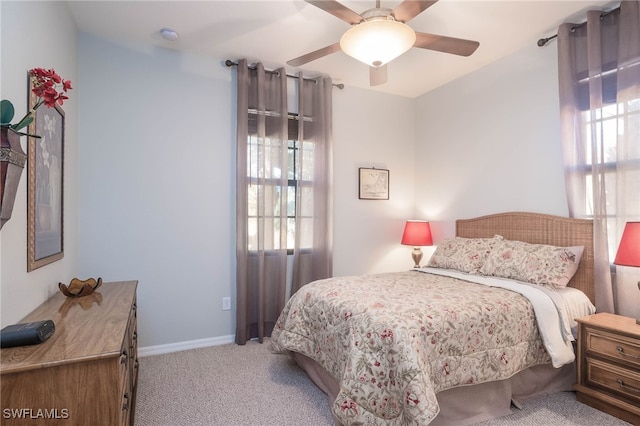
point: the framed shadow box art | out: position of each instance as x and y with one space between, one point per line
373 184
45 186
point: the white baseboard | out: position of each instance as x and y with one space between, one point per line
183 346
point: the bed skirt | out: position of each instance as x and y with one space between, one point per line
467 405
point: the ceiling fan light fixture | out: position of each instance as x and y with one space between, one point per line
377 41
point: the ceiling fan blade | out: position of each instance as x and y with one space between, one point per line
338 10
456 46
377 75
409 9
316 54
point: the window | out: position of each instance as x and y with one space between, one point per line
604 126
284 189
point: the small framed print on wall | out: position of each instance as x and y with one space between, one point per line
45 187
373 184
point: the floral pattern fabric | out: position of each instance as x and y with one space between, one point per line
463 254
393 341
540 264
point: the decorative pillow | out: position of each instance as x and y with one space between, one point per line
533 263
462 254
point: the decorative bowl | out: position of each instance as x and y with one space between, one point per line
79 288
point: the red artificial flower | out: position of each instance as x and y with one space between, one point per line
46 84
61 98
48 87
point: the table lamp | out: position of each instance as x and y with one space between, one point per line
416 233
629 248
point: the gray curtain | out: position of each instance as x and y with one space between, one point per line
313 251
599 82
275 220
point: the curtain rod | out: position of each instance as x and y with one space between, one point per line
543 41
230 63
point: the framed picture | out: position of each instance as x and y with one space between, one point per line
45 167
373 184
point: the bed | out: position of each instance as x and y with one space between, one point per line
457 342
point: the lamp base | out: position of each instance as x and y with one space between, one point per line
416 254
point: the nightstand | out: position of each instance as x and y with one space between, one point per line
608 365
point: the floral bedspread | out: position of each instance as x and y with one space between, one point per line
394 340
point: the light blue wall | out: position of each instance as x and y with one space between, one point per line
156 164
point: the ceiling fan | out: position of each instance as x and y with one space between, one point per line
380 35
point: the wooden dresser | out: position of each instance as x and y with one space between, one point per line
608 365
86 372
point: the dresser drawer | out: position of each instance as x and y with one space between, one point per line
612 346
622 381
123 364
125 418
125 382
133 346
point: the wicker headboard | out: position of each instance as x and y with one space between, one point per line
539 228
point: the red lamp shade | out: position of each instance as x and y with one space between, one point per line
417 233
629 248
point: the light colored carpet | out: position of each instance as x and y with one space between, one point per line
249 385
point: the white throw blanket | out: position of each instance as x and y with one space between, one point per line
548 308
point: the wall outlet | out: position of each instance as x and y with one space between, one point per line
226 303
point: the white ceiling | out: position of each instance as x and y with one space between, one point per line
275 31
